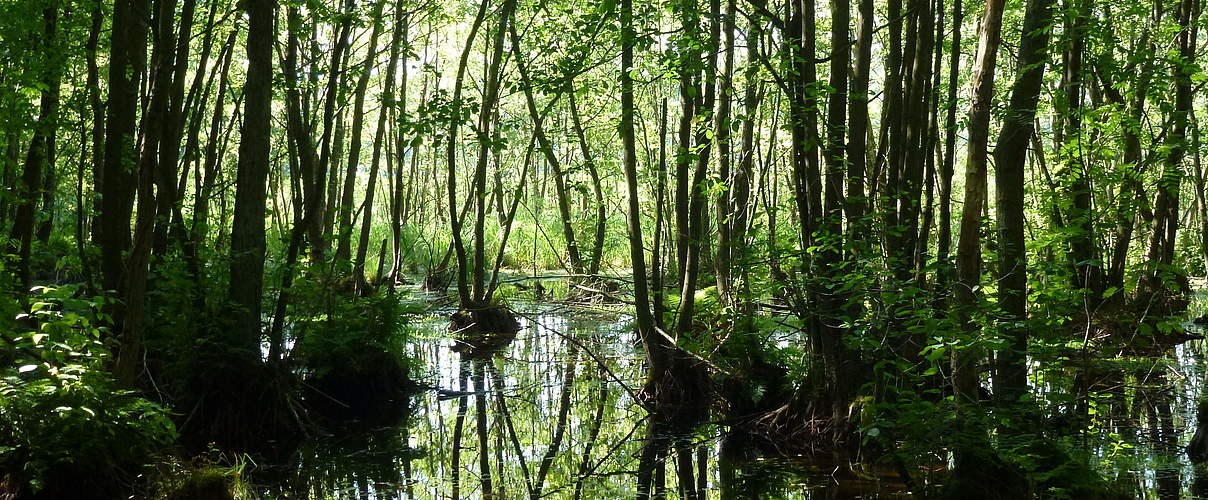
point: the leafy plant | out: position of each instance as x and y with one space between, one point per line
62 416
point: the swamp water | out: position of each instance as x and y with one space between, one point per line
551 413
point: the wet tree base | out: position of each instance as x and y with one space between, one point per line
1197 448
371 391
481 332
436 281
1131 332
243 405
204 484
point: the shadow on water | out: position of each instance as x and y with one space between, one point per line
551 412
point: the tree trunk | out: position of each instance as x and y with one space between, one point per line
169 225
379 138
344 240
1162 282
947 169
723 261
39 162
247 231
332 119
486 143
589 164
463 286
97 106
1087 268
1011 377
968 249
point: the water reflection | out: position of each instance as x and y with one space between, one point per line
551 412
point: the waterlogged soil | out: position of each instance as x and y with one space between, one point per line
552 414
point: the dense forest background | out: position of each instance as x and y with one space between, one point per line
215 216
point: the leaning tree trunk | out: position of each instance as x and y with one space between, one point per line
358 269
1010 155
344 239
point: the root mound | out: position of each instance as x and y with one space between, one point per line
481 332
371 390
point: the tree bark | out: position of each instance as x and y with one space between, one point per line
247 231
344 240
1010 155
127 60
39 162
379 138
968 250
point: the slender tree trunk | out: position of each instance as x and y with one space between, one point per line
463 288
652 342
947 169
344 240
1011 378
723 261
1200 185
50 182
589 164
740 202
688 92
379 138
968 249
332 120
97 106
300 133
398 197
916 128
39 162
205 190
857 121
169 226
486 140
1088 270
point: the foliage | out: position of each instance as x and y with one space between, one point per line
64 422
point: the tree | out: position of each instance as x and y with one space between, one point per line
247 232
1011 376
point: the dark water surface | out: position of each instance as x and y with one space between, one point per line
551 414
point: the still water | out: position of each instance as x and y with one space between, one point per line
551 414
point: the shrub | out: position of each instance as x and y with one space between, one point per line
66 429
